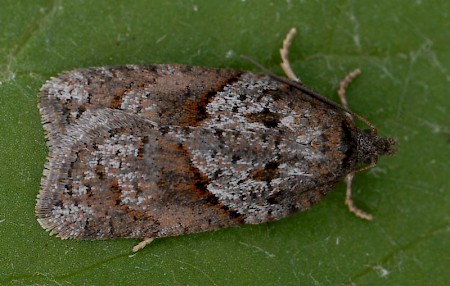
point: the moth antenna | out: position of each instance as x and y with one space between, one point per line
284 53
341 92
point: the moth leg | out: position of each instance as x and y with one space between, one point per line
143 244
349 178
349 201
284 53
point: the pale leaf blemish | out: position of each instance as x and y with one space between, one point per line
376 171
381 271
355 34
199 271
230 54
160 39
435 128
258 249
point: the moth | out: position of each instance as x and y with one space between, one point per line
149 151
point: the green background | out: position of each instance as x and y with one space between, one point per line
403 49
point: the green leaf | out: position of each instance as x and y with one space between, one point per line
403 49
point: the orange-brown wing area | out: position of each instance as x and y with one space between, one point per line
116 175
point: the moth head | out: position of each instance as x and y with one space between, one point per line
370 146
